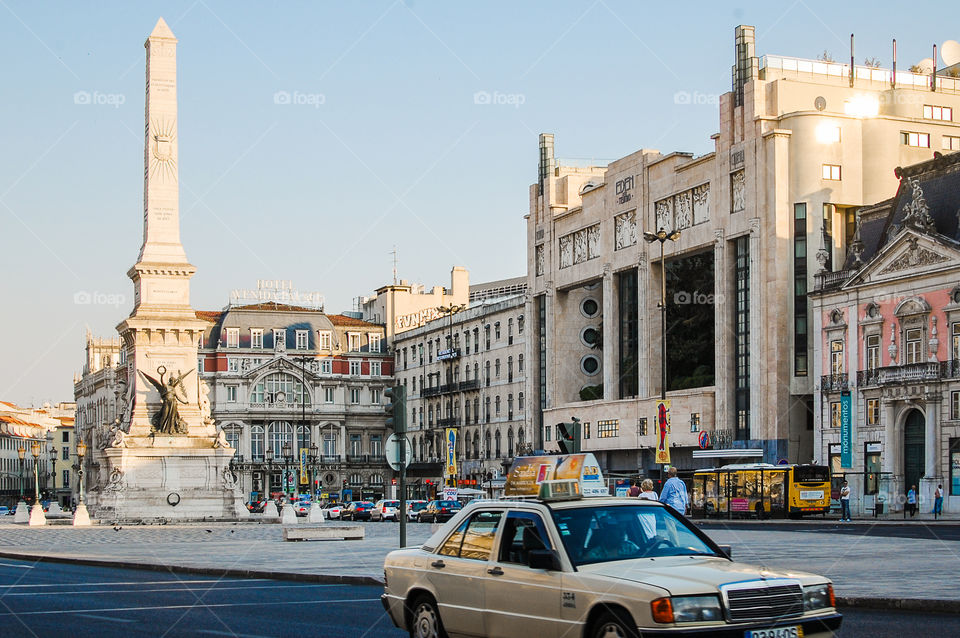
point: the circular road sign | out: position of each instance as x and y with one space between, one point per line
704 440
392 452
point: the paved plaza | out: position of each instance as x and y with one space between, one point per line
862 566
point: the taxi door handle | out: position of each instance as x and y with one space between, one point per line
437 563
496 571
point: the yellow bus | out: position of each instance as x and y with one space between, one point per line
761 490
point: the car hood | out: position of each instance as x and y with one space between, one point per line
688 575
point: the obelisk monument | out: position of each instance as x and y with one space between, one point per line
163 458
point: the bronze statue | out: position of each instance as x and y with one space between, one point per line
168 420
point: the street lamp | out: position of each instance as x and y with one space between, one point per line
287 457
53 472
268 458
451 355
314 451
662 236
21 452
36 513
80 516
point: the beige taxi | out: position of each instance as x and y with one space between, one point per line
562 565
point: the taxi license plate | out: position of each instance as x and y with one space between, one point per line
779 632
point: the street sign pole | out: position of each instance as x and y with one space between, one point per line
403 488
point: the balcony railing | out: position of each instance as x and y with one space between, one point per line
830 280
909 373
834 382
447 422
430 392
472 384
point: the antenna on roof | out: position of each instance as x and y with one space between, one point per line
394 253
851 61
893 76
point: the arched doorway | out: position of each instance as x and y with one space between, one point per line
913 449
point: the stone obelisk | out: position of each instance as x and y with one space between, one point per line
163 458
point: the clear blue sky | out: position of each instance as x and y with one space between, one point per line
398 153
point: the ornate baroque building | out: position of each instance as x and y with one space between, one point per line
888 345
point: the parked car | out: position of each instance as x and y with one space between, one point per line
256 507
385 509
439 511
331 510
301 508
357 511
4 510
413 508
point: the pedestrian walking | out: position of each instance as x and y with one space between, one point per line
646 491
634 489
938 500
912 500
845 503
674 492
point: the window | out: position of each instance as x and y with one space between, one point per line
326 366
233 337
355 367
955 341
233 364
914 349
330 443
608 429
873 411
279 338
954 467
741 343
828 134
920 140
496 403
256 442
303 339
256 338
955 405
519 364
231 393
584 429
353 341
279 434
375 369
800 339
375 342
873 352
279 387
356 445
356 479
325 340
830 171
496 368
520 325
66 478
944 113
950 143
496 329
65 436
328 394
836 357
374 396
65 453
835 414
520 402
355 396
694 421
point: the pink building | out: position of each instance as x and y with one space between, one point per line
887 356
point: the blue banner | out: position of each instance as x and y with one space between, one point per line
846 430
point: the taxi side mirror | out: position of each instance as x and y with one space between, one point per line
543 559
726 550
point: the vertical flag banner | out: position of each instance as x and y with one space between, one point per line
846 430
663 432
304 479
451 439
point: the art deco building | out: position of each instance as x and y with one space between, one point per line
801 145
887 358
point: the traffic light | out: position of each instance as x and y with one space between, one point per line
569 437
396 410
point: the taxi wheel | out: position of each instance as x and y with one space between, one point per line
614 624
426 620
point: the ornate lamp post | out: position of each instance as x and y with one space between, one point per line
314 455
21 452
53 473
287 458
80 515
37 516
268 459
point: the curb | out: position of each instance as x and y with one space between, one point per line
334 579
900 604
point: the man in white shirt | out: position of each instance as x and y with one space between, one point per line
845 503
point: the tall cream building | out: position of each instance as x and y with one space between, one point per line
801 144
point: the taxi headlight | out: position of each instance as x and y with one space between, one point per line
818 597
696 608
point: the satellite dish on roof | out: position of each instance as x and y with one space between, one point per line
950 52
925 66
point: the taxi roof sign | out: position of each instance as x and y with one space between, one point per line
528 473
562 490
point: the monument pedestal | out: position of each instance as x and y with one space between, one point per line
22 514
168 477
81 518
37 517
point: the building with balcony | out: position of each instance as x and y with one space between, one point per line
801 145
887 354
299 394
404 306
27 429
466 370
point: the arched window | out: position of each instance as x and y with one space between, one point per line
430 414
486 410
303 438
497 404
476 445
279 434
356 479
466 411
233 434
521 437
256 442
486 441
510 442
279 387
496 440
423 448
476 372
476 410
376 479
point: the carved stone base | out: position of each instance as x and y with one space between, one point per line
37 517
288 516
175 483
23 513
81 518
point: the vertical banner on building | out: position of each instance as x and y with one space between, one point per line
663 432
846 430
451 439
304 479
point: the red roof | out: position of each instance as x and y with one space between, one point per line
213 316
273 305
343 320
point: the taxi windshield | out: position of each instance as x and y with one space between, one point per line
623 532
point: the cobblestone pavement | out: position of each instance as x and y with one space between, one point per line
860 566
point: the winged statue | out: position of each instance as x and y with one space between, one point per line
168 419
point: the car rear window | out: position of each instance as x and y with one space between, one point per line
391 503
449 503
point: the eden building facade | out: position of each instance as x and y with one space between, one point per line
801 145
